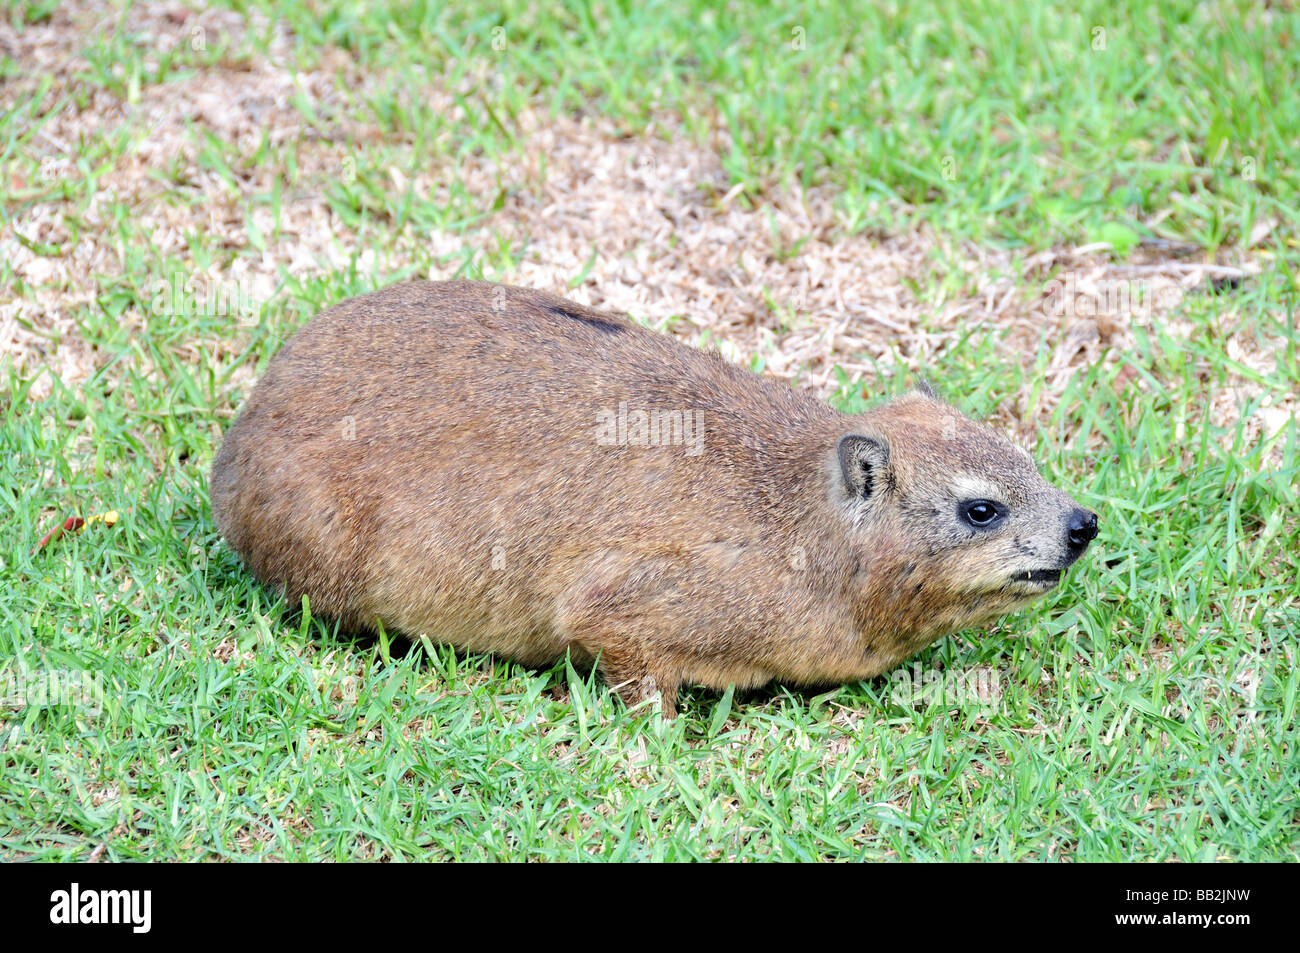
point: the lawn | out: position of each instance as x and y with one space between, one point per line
847 195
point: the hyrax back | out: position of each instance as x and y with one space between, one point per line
511 472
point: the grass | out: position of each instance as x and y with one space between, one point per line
1146 712
1021 122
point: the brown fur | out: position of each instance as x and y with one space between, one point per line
436 456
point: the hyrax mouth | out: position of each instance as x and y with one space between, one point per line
1043 579
1022 585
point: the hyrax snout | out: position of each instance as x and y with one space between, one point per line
510 472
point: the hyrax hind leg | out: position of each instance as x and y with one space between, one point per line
637 684
625 663
628 670
627 650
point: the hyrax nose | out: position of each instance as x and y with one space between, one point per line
1082 530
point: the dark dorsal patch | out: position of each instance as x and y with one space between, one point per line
600 324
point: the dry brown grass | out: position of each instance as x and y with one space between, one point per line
670 235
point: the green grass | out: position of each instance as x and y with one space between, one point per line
1022 121
1148 711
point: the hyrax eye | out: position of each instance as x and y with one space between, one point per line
981 513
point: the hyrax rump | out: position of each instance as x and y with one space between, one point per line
511 472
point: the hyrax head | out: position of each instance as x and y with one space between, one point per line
952 521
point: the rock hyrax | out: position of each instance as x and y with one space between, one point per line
511 472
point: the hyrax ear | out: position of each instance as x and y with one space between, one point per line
925 390
862 463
